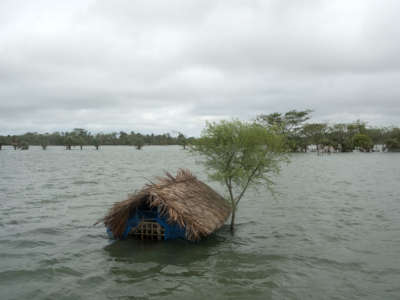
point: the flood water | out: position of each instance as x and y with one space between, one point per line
331 231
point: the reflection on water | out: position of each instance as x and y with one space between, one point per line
331 232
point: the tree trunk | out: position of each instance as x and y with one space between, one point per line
233 219
81 147
97 147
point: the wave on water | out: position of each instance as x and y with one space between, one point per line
17 244
82 182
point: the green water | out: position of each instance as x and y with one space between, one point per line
331 232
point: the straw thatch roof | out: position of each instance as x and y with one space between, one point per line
182 199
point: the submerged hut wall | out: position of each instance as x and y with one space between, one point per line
183 205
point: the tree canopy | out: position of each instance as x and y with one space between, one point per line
240 155
288 124
363 142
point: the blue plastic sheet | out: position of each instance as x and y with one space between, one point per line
172 231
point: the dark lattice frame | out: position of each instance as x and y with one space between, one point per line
148 230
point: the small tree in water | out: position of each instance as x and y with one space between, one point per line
14 142
96 143
44 143
363 142
240 155
182 140
69 142
139 143
80 141
23 146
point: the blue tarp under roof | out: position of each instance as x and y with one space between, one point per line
172 231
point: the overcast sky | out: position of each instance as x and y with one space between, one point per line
166 66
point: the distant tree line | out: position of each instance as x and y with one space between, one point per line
80 137
340 137
299 134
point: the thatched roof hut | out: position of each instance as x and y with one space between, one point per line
180 206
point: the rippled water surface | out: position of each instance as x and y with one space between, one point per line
332 231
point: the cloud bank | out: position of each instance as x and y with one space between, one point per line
163 66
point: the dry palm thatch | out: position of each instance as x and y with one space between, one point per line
182 199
